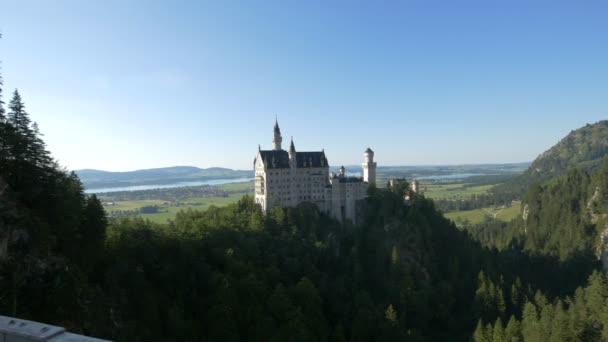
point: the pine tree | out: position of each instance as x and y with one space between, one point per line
546 319
3 127
513 331
516 295
38 153
2 110
596 294
489 332
391 315
498 334
529 324
93 231
501 307
20 136
17 115
560 326
480 334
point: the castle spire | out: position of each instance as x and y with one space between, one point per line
277 139
292 147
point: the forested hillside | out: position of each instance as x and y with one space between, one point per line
51 235
564 219
582 149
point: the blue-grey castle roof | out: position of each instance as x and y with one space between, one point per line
279 159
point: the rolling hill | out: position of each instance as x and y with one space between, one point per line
583 148
166 175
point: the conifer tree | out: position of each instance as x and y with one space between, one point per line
2 110
513 330
498 334
20 136
501 307
39 155
3 132
17 116
480 334
391 315
93 230
530 325
560 326
516 295
545 320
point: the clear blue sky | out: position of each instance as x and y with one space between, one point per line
121 85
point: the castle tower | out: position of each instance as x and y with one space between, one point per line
277 139
369 167
292 154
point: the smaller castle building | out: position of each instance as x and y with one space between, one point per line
288 178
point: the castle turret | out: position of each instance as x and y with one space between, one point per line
292 154
277 139
369 167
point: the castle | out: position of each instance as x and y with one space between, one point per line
288 178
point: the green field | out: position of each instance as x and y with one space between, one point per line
451 189
478 215
459 189
244 186
454 190
167 210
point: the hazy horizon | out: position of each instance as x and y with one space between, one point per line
331 166
134 85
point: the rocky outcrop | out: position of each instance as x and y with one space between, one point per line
598 218
602 250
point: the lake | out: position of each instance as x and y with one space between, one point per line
240 180
168 186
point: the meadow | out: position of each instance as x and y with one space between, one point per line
466 188
506 213
454 190
162 205
165 210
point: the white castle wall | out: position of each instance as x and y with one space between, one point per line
290 186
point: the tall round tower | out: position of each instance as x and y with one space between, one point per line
369 167
277 139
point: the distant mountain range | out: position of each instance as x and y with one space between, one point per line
95 179
165 175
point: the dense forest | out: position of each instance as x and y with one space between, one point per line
564 219
405 273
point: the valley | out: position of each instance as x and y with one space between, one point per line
452 182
